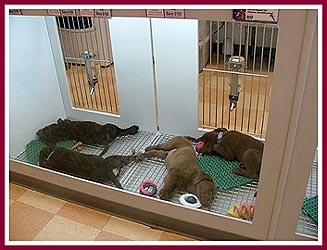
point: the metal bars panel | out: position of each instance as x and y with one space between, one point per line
254 42
80 35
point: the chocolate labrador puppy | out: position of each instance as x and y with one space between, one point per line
183 172
87 132
90 167
234 145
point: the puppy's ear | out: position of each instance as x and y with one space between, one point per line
221 130
200 177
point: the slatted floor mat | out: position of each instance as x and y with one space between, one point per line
34 148
310 207
153 169
221 171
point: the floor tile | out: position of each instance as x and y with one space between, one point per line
15 191
106 236
62 229
132 230
166 236
84 215
11 201
25 221
42 201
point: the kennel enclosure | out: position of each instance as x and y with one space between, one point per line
292 119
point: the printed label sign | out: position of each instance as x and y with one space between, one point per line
155 13
87 12
102 13
256 15
15 12
53 12
68 12
174 13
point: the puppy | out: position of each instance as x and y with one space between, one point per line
86 132
183 172
90 167
234 145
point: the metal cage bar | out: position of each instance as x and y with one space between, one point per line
256 43
79 35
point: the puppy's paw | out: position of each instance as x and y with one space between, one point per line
140 157
149 148
237 171
134 129
164 195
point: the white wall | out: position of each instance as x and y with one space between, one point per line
34 96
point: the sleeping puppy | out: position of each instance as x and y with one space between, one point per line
234 145
86 132
90 167
183 172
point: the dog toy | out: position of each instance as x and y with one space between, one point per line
190 200
245 212
199 146
148 188
77 145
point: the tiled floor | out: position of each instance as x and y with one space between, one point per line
34 216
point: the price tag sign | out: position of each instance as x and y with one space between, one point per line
175 13
87 12
256 15
102 13
159 13
68 12
15 12
53 12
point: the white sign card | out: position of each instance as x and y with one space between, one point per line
175 13
53 12
102 13
159 13
87 12
68 12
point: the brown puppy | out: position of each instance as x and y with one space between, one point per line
234 145
183 172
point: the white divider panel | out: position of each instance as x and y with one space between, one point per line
176 60
34 96
131 42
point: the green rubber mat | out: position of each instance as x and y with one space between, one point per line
310 207
221 171
34 148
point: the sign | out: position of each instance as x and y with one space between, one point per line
256 15
68 12
15 12
102 13
53 12
174 13
87 12
159 13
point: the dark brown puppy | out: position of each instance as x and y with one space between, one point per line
90 167
183 172
86 132
235 145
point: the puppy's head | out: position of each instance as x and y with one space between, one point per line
44 155
208 139
205 188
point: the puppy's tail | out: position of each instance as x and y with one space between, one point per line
106 147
